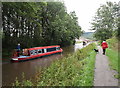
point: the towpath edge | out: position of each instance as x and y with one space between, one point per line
103 76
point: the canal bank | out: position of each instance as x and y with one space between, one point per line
12 70
75 70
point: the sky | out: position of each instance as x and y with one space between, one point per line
85 10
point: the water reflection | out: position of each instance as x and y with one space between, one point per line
12 70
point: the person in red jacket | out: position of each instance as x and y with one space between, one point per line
104 46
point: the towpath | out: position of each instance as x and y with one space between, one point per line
103 76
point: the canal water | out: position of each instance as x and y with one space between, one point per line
12 70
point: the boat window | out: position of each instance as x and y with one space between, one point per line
42 50
57 48
51 49
36 52
45 50
39 51
33 52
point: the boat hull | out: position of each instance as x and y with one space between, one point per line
21 59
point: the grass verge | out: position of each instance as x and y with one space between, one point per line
113 53
113 58
87 76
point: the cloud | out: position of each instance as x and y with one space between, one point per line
85 10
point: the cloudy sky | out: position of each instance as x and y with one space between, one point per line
85 10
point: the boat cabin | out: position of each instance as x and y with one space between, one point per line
35 52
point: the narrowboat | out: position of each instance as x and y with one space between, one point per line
36 52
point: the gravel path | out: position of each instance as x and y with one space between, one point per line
103 76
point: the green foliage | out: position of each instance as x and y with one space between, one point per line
87 75
113 43
106 23
113 54
23 83
117 76
74 70
114 60
117 32
35 24
17 83
113 57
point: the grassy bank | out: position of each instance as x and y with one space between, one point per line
74 70
113 58
113 54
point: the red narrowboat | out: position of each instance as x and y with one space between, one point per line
36 52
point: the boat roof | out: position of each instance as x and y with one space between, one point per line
36 48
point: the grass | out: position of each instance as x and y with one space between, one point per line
113 44
74 70
113 54
87 77
113 58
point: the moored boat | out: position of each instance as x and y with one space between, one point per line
36 52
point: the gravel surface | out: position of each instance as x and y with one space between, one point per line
103 76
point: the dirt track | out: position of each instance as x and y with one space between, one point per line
103 76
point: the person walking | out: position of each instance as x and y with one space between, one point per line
104 46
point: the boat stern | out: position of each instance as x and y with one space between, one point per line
14 59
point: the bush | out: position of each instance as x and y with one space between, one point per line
113 43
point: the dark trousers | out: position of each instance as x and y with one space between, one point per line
18 53
104 51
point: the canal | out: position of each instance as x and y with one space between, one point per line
12 70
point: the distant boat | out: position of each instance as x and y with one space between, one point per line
36 52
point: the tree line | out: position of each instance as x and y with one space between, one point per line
35 24
106 22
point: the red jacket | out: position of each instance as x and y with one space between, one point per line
104 45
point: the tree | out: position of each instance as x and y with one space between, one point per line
105 21
35 24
